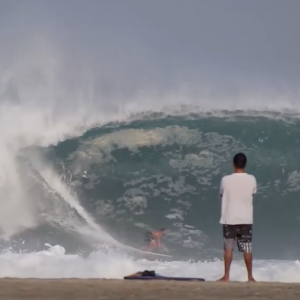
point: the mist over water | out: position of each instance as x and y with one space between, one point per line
116 117
142 55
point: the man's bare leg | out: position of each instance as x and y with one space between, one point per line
227 264
248 263
152 245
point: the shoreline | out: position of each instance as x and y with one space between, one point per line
118 289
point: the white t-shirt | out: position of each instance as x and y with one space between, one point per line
237 192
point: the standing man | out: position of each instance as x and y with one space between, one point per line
237 192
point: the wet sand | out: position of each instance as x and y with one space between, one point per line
102 289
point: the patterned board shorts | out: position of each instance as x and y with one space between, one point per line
241 233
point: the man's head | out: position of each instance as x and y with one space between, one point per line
163 230
239 161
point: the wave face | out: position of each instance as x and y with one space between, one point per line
165 172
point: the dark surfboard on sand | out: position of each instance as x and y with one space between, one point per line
151 275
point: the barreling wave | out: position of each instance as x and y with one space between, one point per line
115 181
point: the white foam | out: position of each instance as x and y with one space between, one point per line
54 263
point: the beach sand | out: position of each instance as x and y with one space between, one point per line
102 289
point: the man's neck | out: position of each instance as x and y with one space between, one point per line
239 171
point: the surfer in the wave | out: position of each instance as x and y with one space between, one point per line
237 192
153 240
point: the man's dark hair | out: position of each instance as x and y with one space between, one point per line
163 229
240 161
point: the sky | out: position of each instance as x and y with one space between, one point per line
233 49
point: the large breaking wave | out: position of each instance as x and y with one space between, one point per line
102 187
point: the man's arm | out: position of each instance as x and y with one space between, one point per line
255 186
221 187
